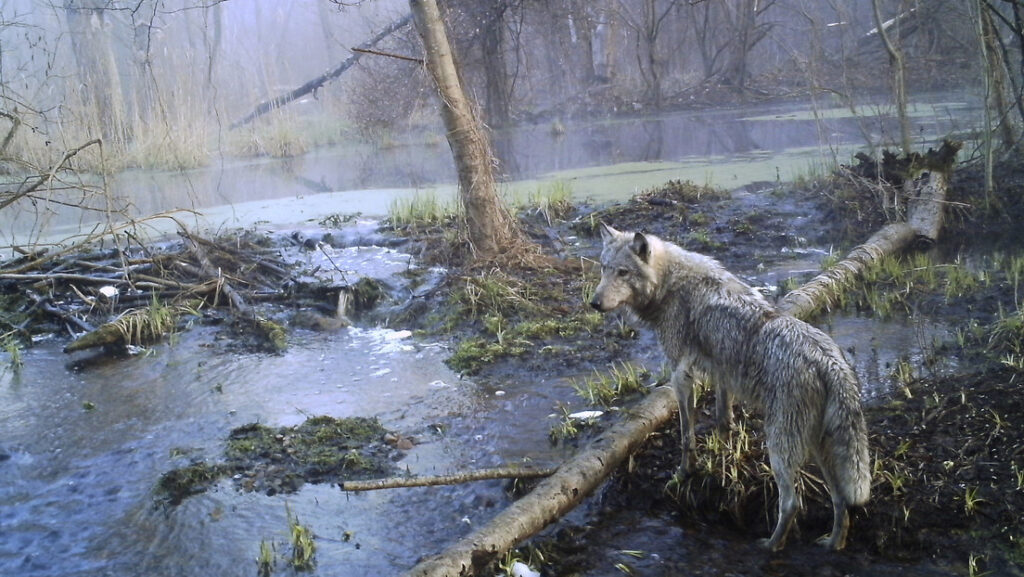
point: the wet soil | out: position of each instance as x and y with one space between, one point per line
948 489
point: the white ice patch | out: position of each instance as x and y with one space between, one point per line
380 341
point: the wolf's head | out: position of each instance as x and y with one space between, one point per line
627 277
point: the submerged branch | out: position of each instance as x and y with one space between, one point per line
455 479
554 496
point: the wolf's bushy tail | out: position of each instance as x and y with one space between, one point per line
846 436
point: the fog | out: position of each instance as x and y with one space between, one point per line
98 87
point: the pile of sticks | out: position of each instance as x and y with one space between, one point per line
126 294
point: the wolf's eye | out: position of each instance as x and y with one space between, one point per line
622 272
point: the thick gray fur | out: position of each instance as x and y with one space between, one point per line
711 324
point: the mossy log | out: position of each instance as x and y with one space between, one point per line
107 334
138 326
581 475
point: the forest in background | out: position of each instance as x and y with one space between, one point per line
161 82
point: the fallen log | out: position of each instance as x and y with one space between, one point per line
926 201
454 479
139 326
820 292
554 496
581 475
316 83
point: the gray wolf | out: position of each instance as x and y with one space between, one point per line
711 324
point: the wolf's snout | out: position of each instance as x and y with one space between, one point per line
596 303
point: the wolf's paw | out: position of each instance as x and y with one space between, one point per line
829 542
767 545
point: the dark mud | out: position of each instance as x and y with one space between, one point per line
948 490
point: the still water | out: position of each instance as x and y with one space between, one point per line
598 160
82 446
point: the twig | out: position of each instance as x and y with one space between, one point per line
388 54
45 306
44 178
454 479
60 276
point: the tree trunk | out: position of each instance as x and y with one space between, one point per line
100 80
898 73
490 227
492 45
142 89
581 475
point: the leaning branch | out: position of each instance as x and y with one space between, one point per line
316 83
42 179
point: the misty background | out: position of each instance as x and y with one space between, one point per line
161 80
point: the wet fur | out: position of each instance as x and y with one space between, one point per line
711 324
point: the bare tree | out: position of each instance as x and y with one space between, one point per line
727 32
100 86
491 229
748 30
647 21
898 65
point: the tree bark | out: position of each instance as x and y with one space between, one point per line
490 227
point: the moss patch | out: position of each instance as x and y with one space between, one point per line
274 460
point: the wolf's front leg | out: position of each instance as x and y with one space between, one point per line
682 383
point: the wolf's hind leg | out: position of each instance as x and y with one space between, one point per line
784 471
723 408
682 383
840 512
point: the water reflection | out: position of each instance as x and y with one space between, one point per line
727 147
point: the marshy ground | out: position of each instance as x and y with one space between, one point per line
948 444
948 493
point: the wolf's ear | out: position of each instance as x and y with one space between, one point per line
640 246
607 232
